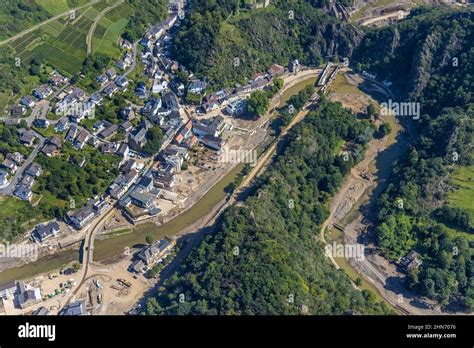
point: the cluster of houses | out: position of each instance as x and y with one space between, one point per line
106 77
71 103
23 296
128 175
151 255
52 146
138 197
231 99
143 196
161 108
24 188
185 137
112 83
78 137
208 132
10 166
116 84
81 217
39 93
127 59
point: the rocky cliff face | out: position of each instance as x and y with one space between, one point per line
430 47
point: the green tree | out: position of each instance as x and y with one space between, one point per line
372 112
258 103
154 140
149 239
384 130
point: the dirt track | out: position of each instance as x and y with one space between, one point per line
33 28
355 191
90 34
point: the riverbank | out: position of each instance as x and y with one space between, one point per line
362 185
110 247
107 250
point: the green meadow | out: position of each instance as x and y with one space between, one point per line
462 196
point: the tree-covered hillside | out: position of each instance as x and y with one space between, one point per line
264 257
228 44
430 59
18 15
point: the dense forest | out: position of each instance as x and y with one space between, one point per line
264 257
430 59
235 43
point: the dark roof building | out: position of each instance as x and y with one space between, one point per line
40 311
27 297
81 217
45 231
28 138
74 308
34 169
108 132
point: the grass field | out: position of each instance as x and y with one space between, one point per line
48 132
463 194
108 43
16 214
54 6
9 206
62 43
108 30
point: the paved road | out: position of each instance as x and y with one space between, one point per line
33 28
134 60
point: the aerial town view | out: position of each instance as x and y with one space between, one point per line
302 158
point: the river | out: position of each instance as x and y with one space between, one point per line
381 166
108 248
111 247
45 264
